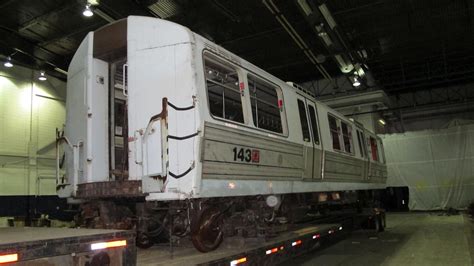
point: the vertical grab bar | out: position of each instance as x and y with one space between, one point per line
124 80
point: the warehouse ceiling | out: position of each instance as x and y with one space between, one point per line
407 45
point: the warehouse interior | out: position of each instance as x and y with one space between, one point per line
404 69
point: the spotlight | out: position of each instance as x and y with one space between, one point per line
355 81
382 122
8 63
88 12
42 77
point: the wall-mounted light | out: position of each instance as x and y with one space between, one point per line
8 63
42 76
88 11
382 122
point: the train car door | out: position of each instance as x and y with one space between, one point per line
317 144
308 145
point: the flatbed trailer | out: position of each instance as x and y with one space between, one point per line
239 251
66 246
235 251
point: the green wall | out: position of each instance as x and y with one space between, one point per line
30 112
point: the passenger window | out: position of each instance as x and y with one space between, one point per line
303 120
347 137
334 133
360 139
380 150
222 83
314 124
373 148
265 106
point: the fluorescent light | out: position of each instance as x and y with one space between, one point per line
42 77
88 12
382 122
8 63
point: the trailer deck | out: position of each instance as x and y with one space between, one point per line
239 251
66 246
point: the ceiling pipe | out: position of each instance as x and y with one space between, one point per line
320 19
297 38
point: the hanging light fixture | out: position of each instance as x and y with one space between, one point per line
355 81
88 11
42 76
8 63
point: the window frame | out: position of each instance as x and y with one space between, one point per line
298 101
349 136
338 132
381 152
372 150
243 72
279 93
361 141
317 138
226 64
342 145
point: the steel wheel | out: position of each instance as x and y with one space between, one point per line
143 241
206 233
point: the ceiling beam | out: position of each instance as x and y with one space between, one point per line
43 17
72 33
41 55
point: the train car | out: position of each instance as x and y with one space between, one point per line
169 132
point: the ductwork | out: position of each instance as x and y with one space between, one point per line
327 30
297 38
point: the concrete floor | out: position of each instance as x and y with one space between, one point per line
409 239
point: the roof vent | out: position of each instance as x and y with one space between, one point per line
300 88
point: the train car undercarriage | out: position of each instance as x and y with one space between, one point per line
207 221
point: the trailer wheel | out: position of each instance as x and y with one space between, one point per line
206 233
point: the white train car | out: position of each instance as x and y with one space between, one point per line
157 113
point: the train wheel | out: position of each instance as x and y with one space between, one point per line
143 241
206 233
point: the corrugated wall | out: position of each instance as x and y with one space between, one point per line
30 111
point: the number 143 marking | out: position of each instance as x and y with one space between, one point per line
246 155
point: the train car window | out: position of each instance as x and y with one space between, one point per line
360 140
347 136
222 83
303 120
265 108
314 124
334 133
373 148
382 154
